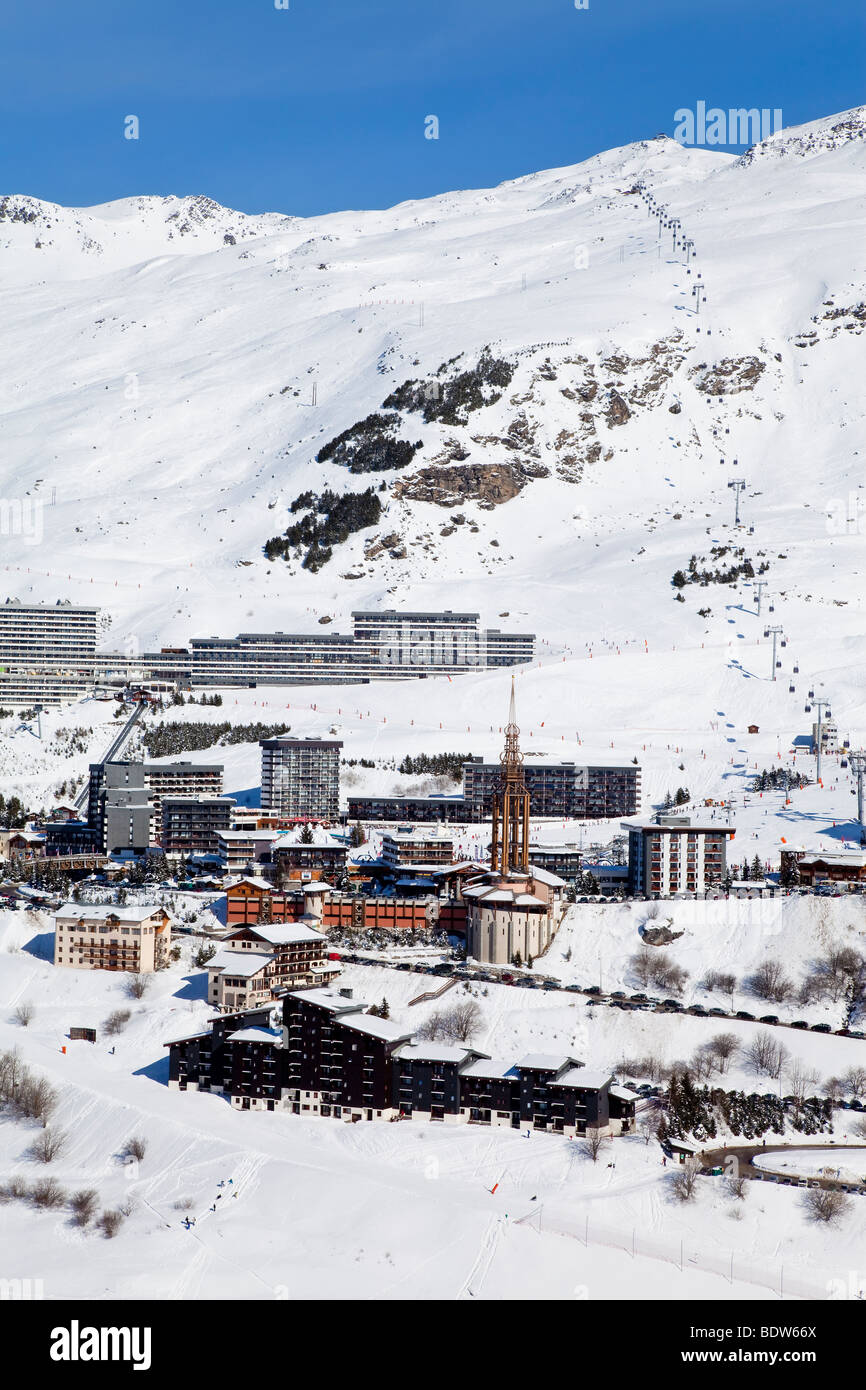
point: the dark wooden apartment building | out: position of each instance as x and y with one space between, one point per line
323 1054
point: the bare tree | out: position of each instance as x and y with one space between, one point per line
47 1192
648 1124
36 1098
110 1223
24 1014
136 1147
137 985
593 1142
728 985
723 1046
643 965
801 1082
466 1020
684 1181
826 1204
738 1186
855 1081
766 1055
859 1127
770 982
702 1063
834 1089
83 1204
49 1144
116 1022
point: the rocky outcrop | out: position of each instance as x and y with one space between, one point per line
617 412
728 377
488 484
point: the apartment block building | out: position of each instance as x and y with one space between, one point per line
384 645
559 791
111 801
46 652
412 810
674 854
193 824
324 1055
301 777
417 847
136 940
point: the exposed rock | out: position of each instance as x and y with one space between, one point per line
660 936
617 411
488 484
381 543
729 376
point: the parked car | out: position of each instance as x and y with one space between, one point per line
769 1018
718 1013
821 1028
618 994
699 1010
743 1013
593 989
800 1023
574 989
672 1004
639 999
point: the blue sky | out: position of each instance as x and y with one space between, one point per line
322 106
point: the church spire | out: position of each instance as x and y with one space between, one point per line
510 838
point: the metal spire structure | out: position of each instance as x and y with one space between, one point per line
510 838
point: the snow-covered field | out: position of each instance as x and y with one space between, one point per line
378 1210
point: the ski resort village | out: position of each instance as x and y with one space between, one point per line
433 739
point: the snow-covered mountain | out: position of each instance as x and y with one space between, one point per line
569 422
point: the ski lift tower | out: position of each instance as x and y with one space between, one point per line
775 632
819 732
759 586
857 761
737 484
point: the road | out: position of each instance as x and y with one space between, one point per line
746 1168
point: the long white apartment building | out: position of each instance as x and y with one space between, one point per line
47 652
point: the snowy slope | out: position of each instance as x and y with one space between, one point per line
374 1211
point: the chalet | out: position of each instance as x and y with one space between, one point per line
849 866
255 962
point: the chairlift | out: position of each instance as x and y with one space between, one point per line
778 665
772 608
844 762
751 530
784 642
766 632
811 694
791 689
808 709
796 670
